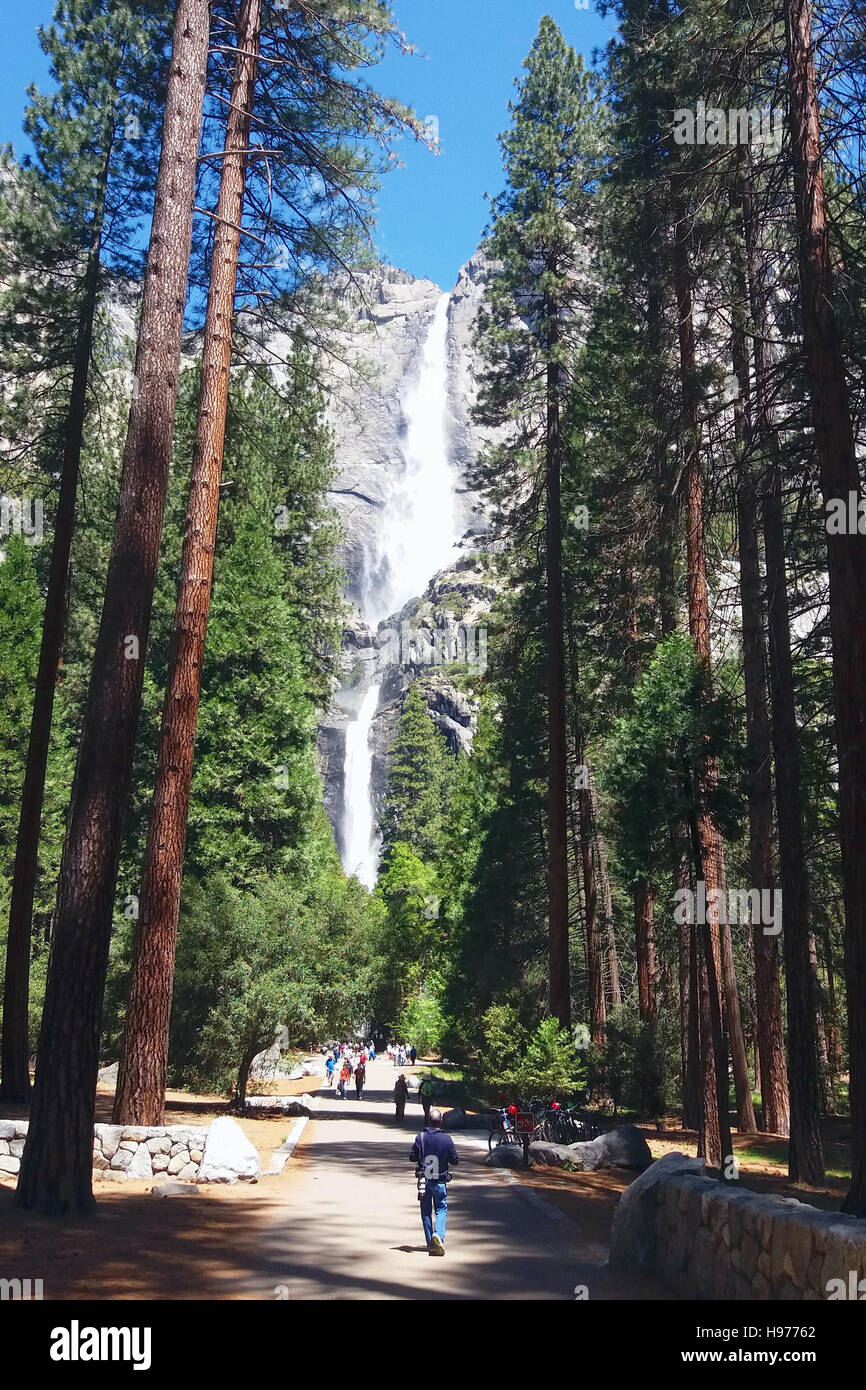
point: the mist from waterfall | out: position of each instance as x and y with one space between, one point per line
360 844
418 537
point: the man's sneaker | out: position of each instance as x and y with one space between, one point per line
437 1246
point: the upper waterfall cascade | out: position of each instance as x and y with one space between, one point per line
420 529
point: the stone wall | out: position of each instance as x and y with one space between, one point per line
12 1136
714 1241
176 1151
219 1152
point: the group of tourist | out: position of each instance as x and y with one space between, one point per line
347 1062
343 1063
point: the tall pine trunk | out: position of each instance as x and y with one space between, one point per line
140 1095
846 554
645 951
805 1158
14 1068
557 789
716 1133
770 1036
689 1044
56 1168
594 942
612 980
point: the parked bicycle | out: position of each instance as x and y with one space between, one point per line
502 1130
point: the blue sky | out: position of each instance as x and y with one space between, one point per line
432 211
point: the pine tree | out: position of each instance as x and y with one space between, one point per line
419 777
140 1094
846 554
68 212
529 328
20 618
56 1168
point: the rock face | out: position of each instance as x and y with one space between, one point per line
390 313
445 624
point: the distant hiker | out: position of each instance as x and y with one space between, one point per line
329 1069
390 1051
401 1095
433 1154
412 1055
425 1095
336 1051
360 1078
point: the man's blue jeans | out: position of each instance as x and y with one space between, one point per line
435 1199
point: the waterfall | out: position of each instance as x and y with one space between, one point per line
418 537
420 528
360 847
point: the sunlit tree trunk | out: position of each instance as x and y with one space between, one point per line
57 1164
140 1095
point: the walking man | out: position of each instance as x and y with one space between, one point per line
434 1154
401 1094
360 1078
425 1095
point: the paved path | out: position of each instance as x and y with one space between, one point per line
349 1225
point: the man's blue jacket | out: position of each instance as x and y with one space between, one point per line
434 1144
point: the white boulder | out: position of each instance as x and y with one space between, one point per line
228 1154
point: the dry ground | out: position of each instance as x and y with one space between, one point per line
141 1246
